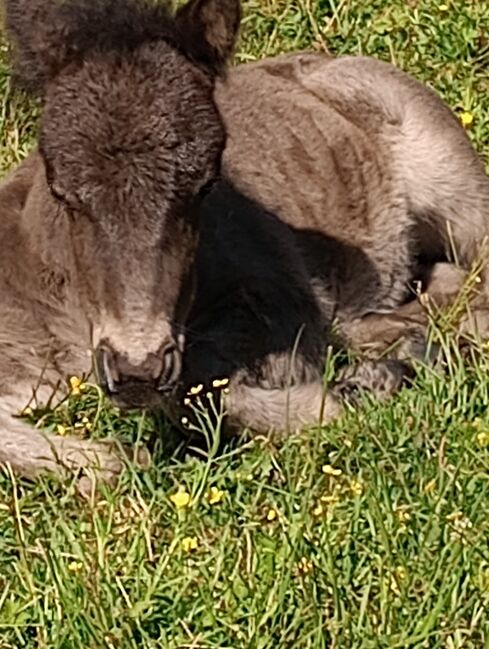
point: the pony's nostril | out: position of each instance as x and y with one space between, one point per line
118 375
171 366
107 369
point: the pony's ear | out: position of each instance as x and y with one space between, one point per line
208 30
49 34
37 49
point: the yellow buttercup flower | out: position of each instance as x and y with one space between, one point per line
86 422
304 566
180 499
318 510
330 470
271 515
190 543
215 496
401 572
482 439
61 430
76 385
467 119
330 499
403 514
356 487
220 383
75 566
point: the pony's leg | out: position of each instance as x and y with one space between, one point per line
288 410
31 452
402 333
280 411
285 410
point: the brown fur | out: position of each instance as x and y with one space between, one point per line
366 175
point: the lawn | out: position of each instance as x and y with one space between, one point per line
372 532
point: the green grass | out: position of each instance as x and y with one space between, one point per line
392 551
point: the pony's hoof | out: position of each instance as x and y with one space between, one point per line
381 379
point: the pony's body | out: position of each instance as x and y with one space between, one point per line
367 178
360 153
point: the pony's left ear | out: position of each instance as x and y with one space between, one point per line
208 30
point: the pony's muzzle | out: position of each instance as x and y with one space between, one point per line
139 385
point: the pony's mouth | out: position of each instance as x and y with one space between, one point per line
135 394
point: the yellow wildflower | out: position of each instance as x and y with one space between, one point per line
271 515
75 566
443 7
197 389
403 514
430 486
190 543
330 499
459 520
61 429
401 572
215 496
304 566
356 487
220 383
482 438
460 525
76 385
467 119
330 470
318 510
180 499
27 412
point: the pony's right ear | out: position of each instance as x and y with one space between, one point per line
40 44
208 30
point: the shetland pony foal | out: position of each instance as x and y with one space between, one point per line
138 232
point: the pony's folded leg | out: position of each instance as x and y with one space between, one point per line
280 411
32 453
288 410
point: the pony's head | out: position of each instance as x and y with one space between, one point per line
130 139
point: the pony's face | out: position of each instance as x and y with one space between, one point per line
130 143
131 138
